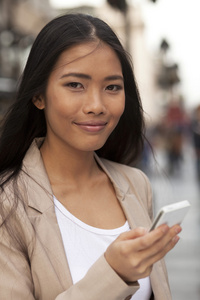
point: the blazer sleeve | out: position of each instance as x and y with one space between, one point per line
101 281
15 275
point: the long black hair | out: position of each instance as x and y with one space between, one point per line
24 121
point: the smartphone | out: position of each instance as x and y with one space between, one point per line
171 214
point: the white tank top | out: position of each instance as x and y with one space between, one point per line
84 244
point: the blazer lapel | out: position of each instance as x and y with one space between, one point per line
48 234
137 215
134 210
42 215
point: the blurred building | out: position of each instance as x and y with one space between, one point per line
20 21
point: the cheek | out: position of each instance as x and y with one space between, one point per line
118 108
59 106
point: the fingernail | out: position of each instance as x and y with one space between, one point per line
178 229
176 239
143 230
165 228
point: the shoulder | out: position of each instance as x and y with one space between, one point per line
11 195
14 221
132 175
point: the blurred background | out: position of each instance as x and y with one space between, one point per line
162 38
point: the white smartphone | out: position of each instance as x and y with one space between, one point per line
171 214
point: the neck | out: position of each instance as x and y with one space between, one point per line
63 164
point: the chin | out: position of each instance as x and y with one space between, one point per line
95 144
95 147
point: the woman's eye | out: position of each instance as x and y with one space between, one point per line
114 87
75 85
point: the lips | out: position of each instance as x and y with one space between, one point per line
91 126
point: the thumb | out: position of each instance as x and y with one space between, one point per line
132 234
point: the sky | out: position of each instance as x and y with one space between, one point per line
176 20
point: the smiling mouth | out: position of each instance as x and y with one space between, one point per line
91 126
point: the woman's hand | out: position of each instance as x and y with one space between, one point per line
133 253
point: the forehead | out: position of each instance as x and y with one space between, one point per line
88 55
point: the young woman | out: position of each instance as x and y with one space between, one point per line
74 216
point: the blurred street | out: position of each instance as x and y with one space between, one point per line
183 262
166 66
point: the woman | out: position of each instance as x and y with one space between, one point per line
74 220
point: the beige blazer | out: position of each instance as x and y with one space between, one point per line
43 273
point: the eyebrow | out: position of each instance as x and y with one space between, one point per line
82 75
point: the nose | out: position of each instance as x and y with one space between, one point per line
94 103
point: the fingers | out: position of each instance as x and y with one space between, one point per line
153 248
161 243
160 254
119 253
133 253
160 236
168 241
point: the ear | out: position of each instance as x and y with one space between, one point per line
39 102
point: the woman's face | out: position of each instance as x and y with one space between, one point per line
85 97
